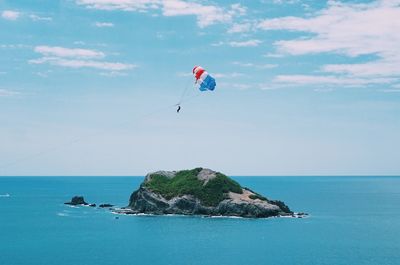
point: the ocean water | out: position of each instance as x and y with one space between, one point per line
353 220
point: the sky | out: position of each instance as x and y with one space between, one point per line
89 87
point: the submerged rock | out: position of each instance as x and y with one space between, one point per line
200 192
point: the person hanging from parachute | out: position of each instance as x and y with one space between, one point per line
203 79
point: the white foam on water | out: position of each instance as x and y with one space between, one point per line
225 217
120 211
294 215
62 214
5 195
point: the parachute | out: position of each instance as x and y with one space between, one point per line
204 79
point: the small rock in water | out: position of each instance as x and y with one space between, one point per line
77 200
105 205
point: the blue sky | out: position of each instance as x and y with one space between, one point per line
87 87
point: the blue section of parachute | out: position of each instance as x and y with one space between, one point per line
208 84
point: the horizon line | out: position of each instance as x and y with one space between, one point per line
136 176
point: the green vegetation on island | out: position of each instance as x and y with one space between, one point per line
184 182
256 195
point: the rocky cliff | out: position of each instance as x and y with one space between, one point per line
200 191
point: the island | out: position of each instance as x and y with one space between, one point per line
200 191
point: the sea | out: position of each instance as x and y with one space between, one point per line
352 221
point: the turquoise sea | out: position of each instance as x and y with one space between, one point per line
353 220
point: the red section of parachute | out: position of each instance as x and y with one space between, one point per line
199 73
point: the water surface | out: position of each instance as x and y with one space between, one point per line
354 220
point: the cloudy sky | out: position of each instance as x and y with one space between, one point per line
88 87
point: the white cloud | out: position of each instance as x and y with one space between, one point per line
14 15
321 83
42 74
230 75
260 66
344 28
243 64
77 58
240 28
351 30
184 74
323 90
271 85
165 34
125 5
238 86
329 80
68 52
206 14
14 46
217 44
79 42
71 63
113 74
290 2
10 15
238 9
39 18
104 24
7 93
241 86
273 55
383 67
248 43
390 90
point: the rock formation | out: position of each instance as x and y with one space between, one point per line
200 192
77 200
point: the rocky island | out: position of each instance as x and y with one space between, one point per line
200 191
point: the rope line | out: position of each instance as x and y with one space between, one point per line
183 93
76 140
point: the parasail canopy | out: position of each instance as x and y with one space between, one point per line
204 79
